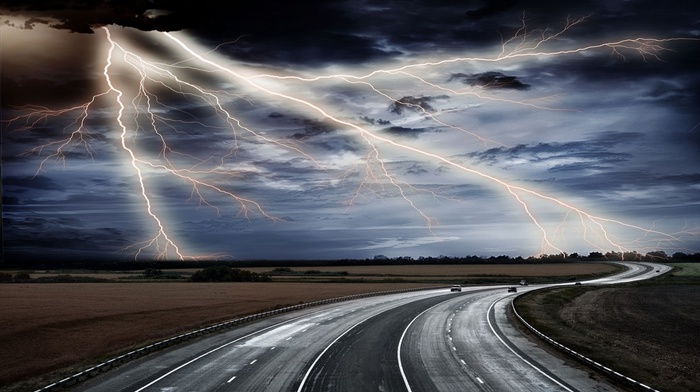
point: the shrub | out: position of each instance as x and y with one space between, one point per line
22 277
227 274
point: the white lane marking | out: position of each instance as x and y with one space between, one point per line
479 379
398 349
272 348
230 379
463 363
255 360
513 351
288 338
217 349
308 372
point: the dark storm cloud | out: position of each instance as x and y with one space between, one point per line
415 104
43 183
416 169
10 200
58 238
404 131
588 154
313 128
375 121
490 80
682 184
490 8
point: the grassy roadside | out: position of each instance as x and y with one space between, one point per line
645 330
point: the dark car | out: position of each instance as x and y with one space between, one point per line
456 288
512 289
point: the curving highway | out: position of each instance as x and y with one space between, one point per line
432 340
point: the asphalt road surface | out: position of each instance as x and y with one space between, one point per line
433 340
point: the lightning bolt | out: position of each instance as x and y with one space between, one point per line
145 103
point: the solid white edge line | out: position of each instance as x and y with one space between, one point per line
514 352
398 349
214 350
308 372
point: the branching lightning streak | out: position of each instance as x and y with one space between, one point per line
163 245
162 251
512 189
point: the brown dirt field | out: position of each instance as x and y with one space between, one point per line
646 333
50 326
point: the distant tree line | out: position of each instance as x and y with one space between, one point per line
20 277
222 273
376 260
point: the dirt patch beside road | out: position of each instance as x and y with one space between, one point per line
648 333
50 326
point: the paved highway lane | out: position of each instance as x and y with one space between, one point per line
468 342
272 354
366 357
431 340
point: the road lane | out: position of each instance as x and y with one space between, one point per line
365 357
467 352
225 361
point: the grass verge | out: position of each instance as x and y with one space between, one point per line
646 330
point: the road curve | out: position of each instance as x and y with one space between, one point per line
431 340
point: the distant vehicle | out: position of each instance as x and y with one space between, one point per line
658 271
577 283
523 282
512 289
456 288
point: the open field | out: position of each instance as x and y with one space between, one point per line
447 274
647 331
686 269
52 326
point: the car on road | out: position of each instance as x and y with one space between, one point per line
512 289
577 283
456 288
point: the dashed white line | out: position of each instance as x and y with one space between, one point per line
479 380
255 360
230 379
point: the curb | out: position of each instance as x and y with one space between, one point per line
636 385
124 358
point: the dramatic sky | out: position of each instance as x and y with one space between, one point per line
348 129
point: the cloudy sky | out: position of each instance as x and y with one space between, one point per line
348 129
